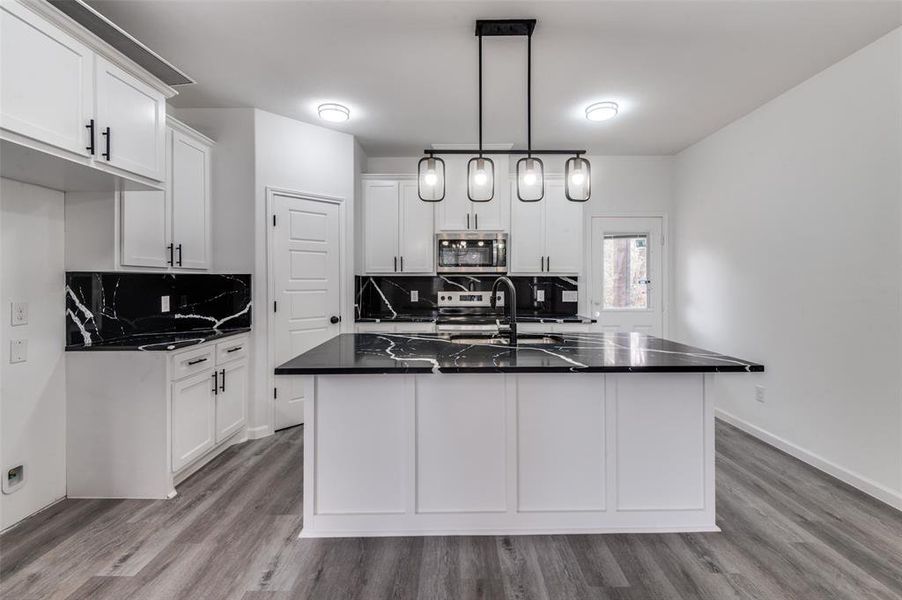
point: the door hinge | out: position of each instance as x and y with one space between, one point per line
275 305
274 220
275 393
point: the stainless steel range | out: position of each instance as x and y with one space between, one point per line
460 311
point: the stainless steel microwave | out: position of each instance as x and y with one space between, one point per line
471 252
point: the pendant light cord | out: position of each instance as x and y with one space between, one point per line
480 96
529 95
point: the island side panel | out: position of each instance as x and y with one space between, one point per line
551 441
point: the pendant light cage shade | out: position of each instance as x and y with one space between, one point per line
578 179
530 179
431 179
480 179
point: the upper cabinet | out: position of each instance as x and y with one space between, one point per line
457 213
62 96
546 236
171 228
398 228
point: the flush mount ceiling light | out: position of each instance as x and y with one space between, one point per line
334 113
481 169
602 111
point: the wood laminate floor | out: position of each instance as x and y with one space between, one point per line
789 531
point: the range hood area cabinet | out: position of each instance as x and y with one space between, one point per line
546 237
159 230
399 230
457 213
68 95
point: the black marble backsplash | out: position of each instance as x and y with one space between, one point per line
387 296
103 306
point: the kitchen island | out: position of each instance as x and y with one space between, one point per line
575 433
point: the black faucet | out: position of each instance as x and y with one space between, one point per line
511 301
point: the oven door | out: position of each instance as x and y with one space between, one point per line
471 253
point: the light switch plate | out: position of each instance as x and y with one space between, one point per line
414 295
569 296
164 304
540 295
18 351
18 313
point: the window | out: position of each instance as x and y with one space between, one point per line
625 271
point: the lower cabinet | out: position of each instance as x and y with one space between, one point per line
138 423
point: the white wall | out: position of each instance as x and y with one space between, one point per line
33 393
788 240
304 158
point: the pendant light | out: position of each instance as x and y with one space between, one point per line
431 179
480 170
530 171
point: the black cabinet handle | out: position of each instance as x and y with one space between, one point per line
547 264
215 382
402 264
179 249
476 219
197 361
106 133
542 262
396 264
468 220
169 248
235 349
222 384
90 146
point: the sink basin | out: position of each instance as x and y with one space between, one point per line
522 340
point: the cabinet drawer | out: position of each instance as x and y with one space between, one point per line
194 361
231 349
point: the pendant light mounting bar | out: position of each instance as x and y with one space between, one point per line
496 27
431 151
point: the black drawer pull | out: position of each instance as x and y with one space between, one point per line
197 361
235 349
215 383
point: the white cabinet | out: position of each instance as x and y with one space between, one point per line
171 228
231 400
47 86
130 121
71 96
457 213
193 418
547 236
398 228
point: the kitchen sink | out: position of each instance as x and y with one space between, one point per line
522 340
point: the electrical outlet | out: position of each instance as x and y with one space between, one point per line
18 351
18 313
759 393
164 304
540 295
499 298
414 295
13 479
569 296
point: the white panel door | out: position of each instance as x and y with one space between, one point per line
306 290
189 185
527 236
48 83
627 274
563 231
193 418
231 399
131 122
380 226
453 213
417 227
144 232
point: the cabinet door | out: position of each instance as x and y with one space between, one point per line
453 213
563 231
189 188
527 236
144 236
193 419
380 222
493 215
417 231
48 84
136 116
231 401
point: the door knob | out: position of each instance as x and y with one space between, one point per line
334 319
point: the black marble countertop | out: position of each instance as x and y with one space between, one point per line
158 342
521 318
572 352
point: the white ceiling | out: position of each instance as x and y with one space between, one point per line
680 70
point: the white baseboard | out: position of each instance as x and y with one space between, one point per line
308 532
255 433
869 487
